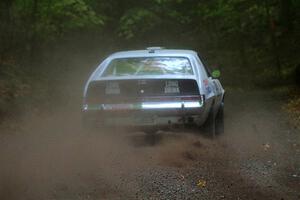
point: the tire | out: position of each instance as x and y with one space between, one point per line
209 126
220 120
214 124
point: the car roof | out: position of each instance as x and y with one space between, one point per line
153 53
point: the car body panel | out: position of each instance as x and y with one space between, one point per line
165 111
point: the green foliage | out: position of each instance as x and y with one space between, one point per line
65 15
52 18
137 21
257 41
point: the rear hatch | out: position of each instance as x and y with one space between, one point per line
141 90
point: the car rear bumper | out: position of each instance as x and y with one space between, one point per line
144 114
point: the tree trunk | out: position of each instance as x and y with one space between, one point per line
286 15
33 33
242 52
5 26
274 42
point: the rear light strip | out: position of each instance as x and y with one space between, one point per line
171 105
153 103
175 98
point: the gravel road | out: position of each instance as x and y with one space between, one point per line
258 157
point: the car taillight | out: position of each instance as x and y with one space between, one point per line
198 98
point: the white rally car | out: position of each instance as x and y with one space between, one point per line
154 88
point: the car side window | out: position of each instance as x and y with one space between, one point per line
207 70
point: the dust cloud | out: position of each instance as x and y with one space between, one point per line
51 154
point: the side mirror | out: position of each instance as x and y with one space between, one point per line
216 74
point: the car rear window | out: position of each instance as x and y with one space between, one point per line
149 66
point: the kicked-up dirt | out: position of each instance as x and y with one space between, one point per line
258 157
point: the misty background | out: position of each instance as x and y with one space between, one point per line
48 48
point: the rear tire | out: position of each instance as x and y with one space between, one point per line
209 126
220 120
214 124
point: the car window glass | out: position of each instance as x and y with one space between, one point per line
206 68
149 66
